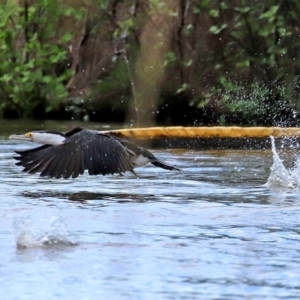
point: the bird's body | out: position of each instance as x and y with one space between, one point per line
70 154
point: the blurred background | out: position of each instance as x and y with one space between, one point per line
151 62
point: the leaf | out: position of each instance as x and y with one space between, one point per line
66 37
47 79
270 14
243 10
60 90
16 89
243 64
196 10
203 103
6 77
217 29
182 89
223 5
171 57
188 63
214 13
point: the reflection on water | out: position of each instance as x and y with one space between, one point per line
222 229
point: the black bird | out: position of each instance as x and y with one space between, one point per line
70 154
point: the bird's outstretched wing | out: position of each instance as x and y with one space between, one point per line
83 150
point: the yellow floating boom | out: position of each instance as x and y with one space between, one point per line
207 132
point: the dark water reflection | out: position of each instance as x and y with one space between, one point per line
214 231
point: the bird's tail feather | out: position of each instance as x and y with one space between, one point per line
163 165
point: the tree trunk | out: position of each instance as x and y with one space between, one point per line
149 70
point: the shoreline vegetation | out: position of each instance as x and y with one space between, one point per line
147 62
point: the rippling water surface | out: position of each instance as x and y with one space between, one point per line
227 227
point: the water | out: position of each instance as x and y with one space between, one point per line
225 228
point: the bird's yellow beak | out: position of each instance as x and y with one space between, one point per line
24 137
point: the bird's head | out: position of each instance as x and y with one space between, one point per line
41 137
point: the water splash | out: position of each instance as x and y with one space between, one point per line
280 176
52 232
295 174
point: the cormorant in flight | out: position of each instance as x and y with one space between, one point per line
70 154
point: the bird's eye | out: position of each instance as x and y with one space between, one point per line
29 135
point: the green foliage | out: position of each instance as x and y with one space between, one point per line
230 59
245 102
114 90
240 102
255 34
258 39
29 57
